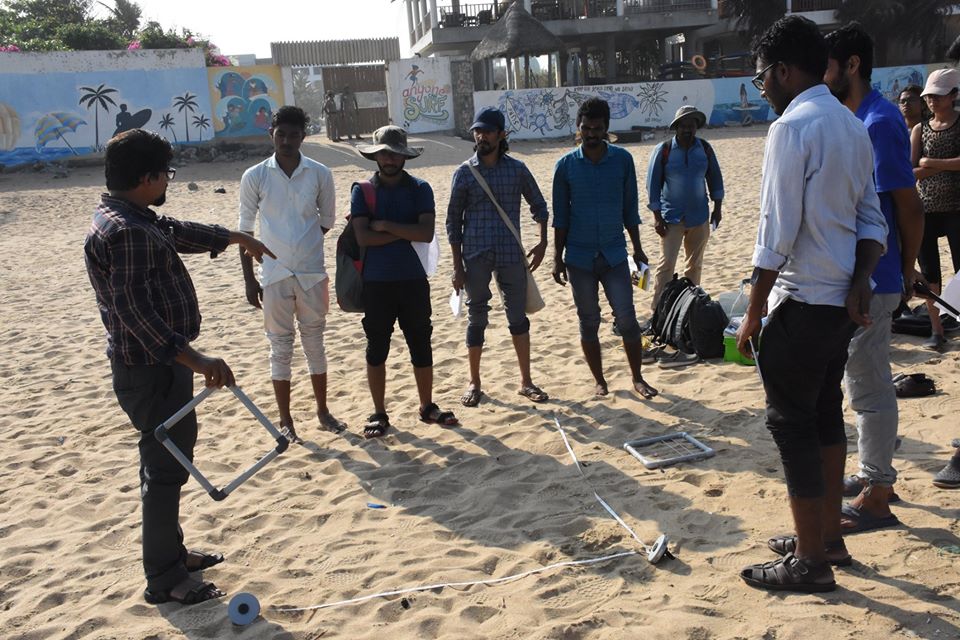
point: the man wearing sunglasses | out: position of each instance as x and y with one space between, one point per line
820 236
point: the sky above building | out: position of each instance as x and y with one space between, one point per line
250 27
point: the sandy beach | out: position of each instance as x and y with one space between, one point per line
496 496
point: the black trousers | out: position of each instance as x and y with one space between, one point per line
149 394
803 352
404 302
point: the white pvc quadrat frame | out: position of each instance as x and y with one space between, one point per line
219 494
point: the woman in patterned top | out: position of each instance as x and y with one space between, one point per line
935 151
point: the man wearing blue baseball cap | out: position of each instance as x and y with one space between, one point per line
483 226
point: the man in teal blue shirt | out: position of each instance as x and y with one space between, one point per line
594 198
679 168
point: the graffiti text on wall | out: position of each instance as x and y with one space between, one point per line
426 102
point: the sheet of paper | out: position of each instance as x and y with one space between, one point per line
456 303
950 295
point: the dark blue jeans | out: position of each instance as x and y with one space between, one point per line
512 281
149 394
618 289
803 352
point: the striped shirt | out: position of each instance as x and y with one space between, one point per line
146 299
594 202
473 220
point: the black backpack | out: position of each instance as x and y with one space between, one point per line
707 322
687 319
671 290
348 283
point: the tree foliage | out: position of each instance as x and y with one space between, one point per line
65 25
755 16
918 22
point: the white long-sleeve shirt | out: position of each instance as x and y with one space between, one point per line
293 213
817 200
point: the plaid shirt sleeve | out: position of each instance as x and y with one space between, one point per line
531 193
134 255
458 202
193 237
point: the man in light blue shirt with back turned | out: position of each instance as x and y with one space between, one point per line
678 170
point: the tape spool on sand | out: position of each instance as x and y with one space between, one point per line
243 609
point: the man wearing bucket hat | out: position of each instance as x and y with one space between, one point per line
678 170
486 245
935 151
395 287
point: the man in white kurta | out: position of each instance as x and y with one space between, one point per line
293 196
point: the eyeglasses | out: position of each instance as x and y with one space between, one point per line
171 173
758 79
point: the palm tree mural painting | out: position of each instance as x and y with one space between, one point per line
186 102
98 98
201 122
166 122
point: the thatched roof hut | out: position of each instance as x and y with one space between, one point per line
517 34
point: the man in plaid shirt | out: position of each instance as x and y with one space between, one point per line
482 245
149 307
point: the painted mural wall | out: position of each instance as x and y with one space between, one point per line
57 107
244 99
732 102
420 95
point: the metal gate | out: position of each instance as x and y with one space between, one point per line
369 83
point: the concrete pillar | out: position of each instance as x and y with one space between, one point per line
563 62
417 30
526 6
620 6
434 19
715 4
611 56
789 6
410 25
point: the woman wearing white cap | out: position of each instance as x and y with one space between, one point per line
935 151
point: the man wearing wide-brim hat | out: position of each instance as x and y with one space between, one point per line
680 172
397 211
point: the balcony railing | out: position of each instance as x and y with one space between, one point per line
815 5
469 15
661 6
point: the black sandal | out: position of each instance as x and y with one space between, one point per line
207 560
431 414
782 545
202 592
790 573
377 426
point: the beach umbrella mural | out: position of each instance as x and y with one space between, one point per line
54 125
9 127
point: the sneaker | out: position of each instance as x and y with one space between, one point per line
935 342
677 359
650 355
949 476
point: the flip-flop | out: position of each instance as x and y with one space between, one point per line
431 414
533 392
865 520
377 426
207 560
471 397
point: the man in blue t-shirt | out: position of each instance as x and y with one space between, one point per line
395 287
868 378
